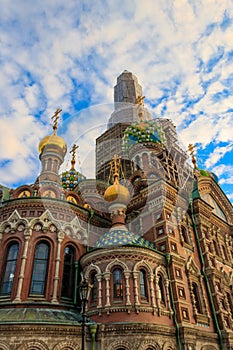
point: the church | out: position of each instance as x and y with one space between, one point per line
151 236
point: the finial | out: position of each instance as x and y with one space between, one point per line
140 100
191 149
73 151
55 118
115 168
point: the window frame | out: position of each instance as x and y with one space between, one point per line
117 285
70 266
5 267
45 271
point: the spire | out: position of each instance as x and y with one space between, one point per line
73 153
127 88
128 101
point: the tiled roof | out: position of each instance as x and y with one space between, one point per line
119 237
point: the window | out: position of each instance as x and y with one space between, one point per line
174 247
117 284
68 273
178 272
160 231
224 253
143 284
9 273
181 292
196 298
185 313
40 268
161 289
162 247
184 234
94 287
216 247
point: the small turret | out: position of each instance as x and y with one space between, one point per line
52 150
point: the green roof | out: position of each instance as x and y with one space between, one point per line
39 315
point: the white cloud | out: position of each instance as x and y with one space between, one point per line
217 154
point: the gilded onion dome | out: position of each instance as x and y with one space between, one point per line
116 192
53 141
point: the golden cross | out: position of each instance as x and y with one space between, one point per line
191 149
55 118
72 151
115 166
140 100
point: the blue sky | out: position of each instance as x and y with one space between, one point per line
68 55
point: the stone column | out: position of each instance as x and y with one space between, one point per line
135 280
127 291
99 279
167 295
107 279
152 292
158 294
27 235
57 266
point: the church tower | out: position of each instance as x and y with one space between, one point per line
128 108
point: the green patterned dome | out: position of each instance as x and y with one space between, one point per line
120 237
71 178
144 133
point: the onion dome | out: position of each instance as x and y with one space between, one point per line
144 132
116 193
53 141
71 177
207 173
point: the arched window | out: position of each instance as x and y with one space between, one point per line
94 287
143 284
196 298
161 288
138 162
9 272
145 160
68 277
117 284
40 268
55 165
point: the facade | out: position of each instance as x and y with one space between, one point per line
153 236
